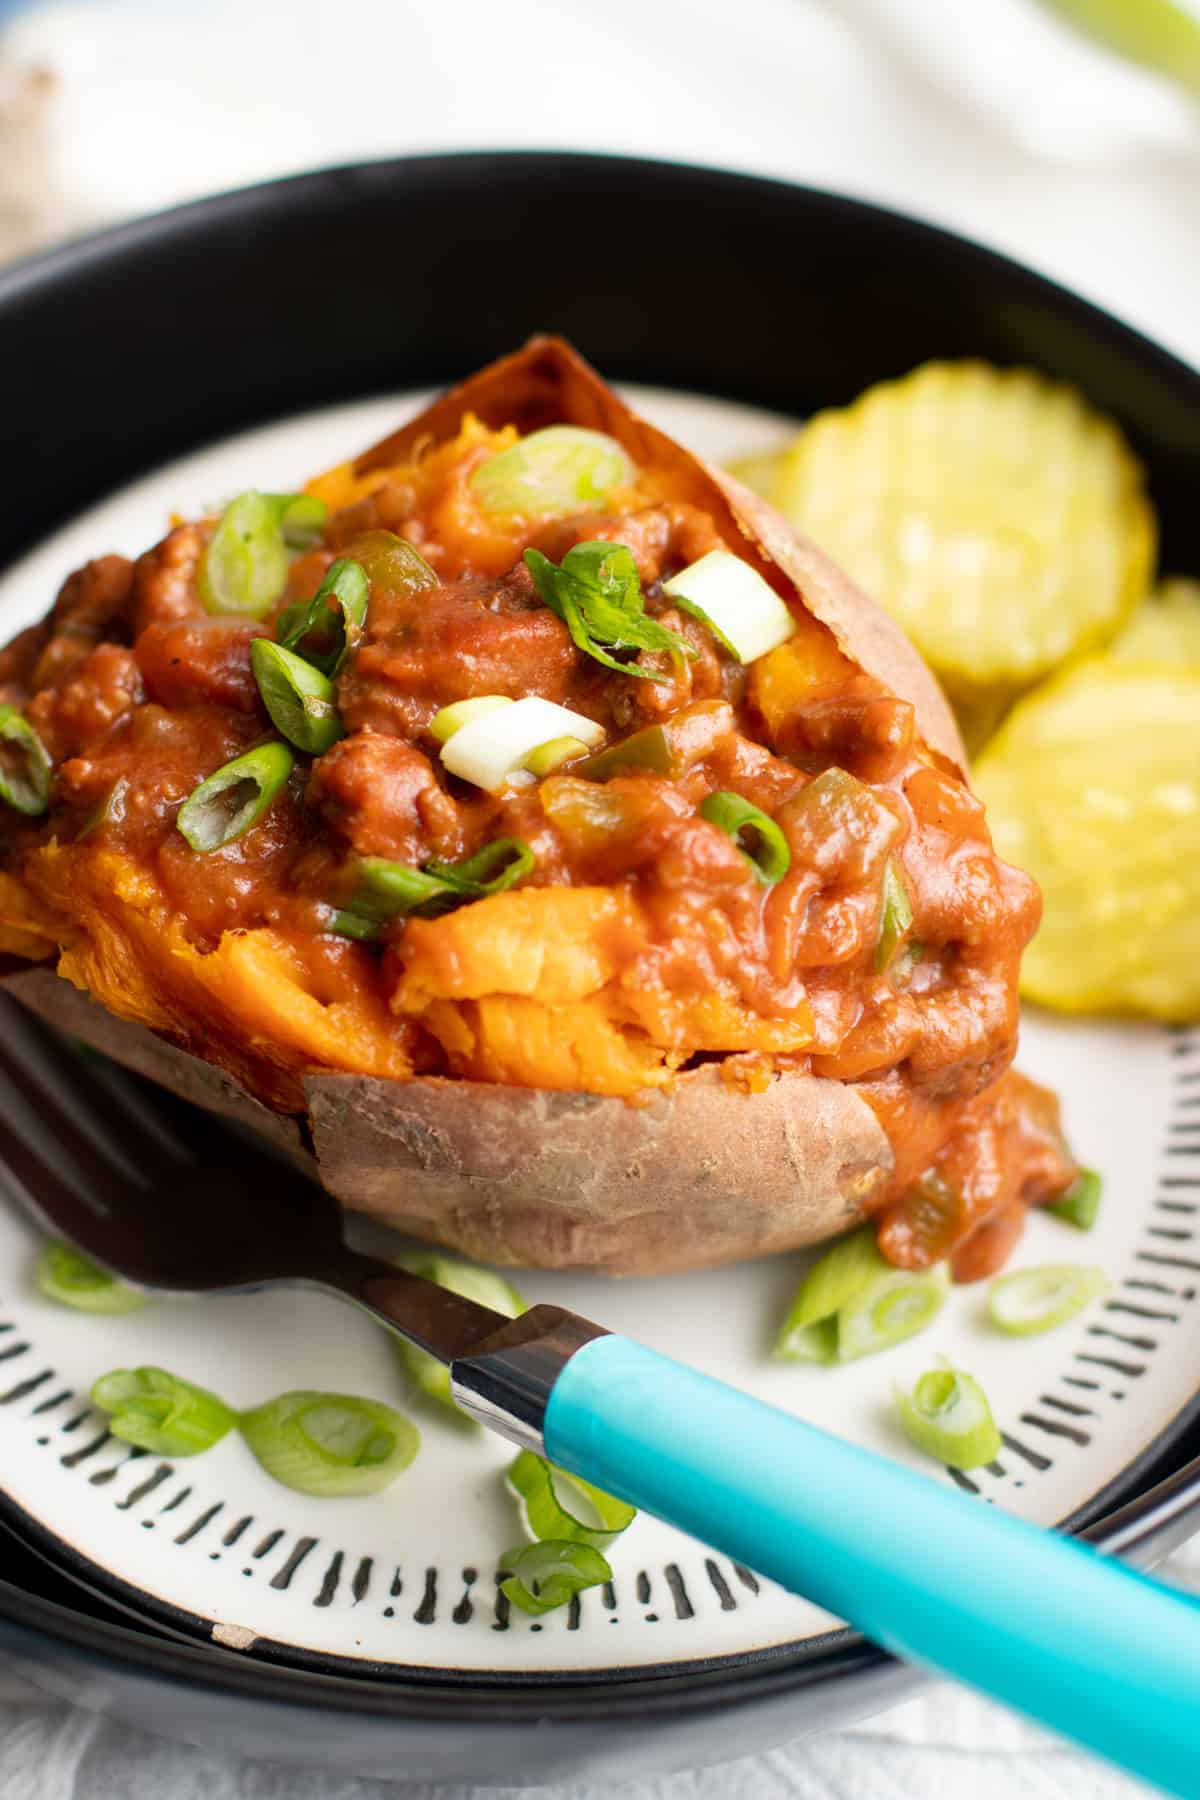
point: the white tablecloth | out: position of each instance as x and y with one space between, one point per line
988 117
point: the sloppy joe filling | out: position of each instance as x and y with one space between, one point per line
640 936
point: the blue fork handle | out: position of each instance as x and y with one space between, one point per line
1043 1622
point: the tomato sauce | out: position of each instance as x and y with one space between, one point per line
138 694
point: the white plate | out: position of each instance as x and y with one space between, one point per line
407 1577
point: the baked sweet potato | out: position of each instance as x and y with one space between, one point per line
652 1053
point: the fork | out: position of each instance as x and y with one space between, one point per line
165 1198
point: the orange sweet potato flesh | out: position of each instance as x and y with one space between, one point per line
568 1137
272 1017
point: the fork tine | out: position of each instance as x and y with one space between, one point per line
181 1129
68 1104
52 1202
181 1132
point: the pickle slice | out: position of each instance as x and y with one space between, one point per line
998 517
1166 630
1093 785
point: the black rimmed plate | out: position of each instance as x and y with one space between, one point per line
380 1621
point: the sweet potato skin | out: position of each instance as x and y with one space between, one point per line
701 1172
697 1175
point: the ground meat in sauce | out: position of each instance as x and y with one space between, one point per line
422 651
200 661
138 694
384 798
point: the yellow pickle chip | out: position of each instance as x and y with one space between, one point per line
1093 786
997 516
1167 629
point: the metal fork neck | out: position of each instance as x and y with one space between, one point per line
502 1371
506 1382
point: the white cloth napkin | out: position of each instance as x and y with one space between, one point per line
51 1751
991 117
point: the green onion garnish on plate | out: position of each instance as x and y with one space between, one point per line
234 797
551 1502
853 1302
66 1275
835 1278
330 1445
481 1285
543 1576
159 1412
1080 1205
892 1307
948 1417
1029 1301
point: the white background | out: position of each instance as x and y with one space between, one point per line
985 115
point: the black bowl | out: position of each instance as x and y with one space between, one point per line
129 348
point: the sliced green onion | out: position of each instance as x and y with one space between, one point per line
1080 1204
491 870
452 718
816 1343
330 1445
544 1576
481 1285
491 750
234 797
597 594
300 517
244 567
697 612
895 918
388 890
24 765
539 1486
391 890
299 699
892 1306
66 1275
948 1417
767 851
353 925
1033 1300
161 1413
833 1280
326 630
738 605
853 1302
552 471
550 756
